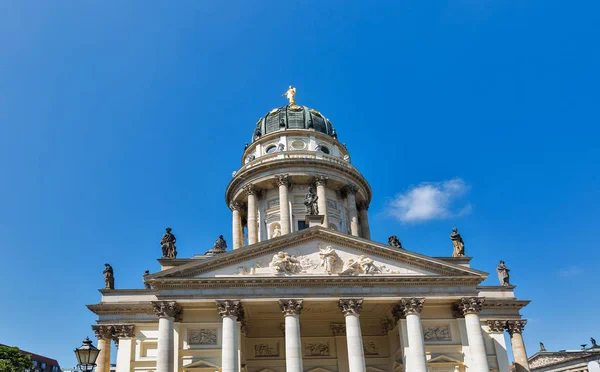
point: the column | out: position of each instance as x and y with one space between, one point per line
230 310
321 182
252 192
236 224
341 346
497 334
363 207
293 347
242 236
351 191
104 333
351 309
515 329
470 308
283 182
167 312
410 308
123 339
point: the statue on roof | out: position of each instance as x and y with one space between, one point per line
146 284
310 202
457 243
109 277
395 242
503 276
219 246
542 347
593 341
167 244
291 95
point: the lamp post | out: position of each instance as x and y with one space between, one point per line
86 356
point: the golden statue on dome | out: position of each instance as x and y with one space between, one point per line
291 95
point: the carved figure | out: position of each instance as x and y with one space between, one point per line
290 94
395 242
503 276
283 262
333 133
146 284
219 247
316 349
351 267
280 147
202 337
250 158
329 259
457 242
167 244
542 347
109 277
593 341
310 202
276 232
367 265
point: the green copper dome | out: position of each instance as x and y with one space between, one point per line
292 117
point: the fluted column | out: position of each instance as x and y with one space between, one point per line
350 191
321 182
283 182
167 312
252 193
236 224
515 329
351 309
293 346
363 208
123 336
104 333
230 311
470 308
410 308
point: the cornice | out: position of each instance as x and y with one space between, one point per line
504 303
122 308
290 133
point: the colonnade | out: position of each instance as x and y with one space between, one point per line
515 330
283 184
122 335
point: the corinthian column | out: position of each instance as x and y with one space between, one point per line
515 329
351 191
230 311
167 312
410 308
321 182
363 207
283 182
104 333
236 224
293 348
470 308
252 192
351 309
123 335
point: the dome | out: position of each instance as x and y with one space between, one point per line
292 117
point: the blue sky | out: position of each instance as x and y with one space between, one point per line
121 118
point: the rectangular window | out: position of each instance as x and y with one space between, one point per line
302 225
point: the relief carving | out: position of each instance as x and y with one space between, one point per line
437 333
266 350
316 349
202 337
370 348
285 263
329 260
361 265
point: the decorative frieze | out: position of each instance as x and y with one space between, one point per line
291 307
437 333
230 308
338 329
470 305
316 349
167 309
202 336
351 306
408 306
266 350
515 326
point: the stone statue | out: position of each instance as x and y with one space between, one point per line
219 247
250 158
351 267
395 242
503 276
329 259
146 284
333 133
167 244
593 341
109 277
542 347
285 263
457 242
276 232
280 147
290 94
367 265
245 146
362 265
310 202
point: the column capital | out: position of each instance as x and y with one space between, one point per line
349 189
351 306
291 307
496 325
103 331
515 326
230 308
124 330
283 180
167 309
338 329
321 180
409 306
470 305
251 189
362 205
236 206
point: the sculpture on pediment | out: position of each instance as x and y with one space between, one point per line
285 263
361 265
351 267
219 247
457 243
167 243
329 259
395 242
503 275
109 277
146 284
367 265
310 202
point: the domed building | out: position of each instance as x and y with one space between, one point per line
303 287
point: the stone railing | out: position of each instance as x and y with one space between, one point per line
296 155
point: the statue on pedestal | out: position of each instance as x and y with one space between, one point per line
290 94
542 347
503 276
109 277
146 284
395 242
219 247
310 202
167 244
457 243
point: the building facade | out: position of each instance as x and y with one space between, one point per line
304 287
565 360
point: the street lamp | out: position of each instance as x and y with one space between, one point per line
86 356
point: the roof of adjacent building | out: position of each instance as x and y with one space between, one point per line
37 357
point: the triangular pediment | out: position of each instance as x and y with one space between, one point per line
439 359
200 364
317 252
542 359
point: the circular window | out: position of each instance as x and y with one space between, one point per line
324 149
298 145
271 149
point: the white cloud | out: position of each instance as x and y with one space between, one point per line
570 271
429 201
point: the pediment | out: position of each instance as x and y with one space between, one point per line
439 359
544 359
319 369
317 252
201 364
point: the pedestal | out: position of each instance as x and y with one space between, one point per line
315 220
